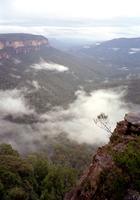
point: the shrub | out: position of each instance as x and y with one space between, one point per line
129 162
58 181
17 193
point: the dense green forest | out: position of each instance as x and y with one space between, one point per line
38 177
32 178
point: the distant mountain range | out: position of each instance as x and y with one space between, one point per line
122 43
122 52
51 77
122 60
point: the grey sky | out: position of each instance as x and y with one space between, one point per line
94 18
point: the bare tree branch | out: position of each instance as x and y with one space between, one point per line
102 122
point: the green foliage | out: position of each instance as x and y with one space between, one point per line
124 175
32 178
16 165
41 168
129 162
58 181
1 189
70 154
112 184
17 193
16 176
6 149
9 178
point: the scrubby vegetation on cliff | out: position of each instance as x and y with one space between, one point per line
114 173
124 175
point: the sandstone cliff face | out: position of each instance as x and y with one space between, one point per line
20 43
106 178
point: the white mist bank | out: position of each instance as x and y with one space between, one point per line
76 121
50 67
13 102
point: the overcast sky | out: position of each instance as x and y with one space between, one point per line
92 18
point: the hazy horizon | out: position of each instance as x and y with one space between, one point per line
90 20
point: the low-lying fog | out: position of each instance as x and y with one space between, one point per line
76 121
49 67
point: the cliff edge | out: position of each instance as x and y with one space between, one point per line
114 173
20 43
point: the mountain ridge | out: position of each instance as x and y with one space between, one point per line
122 42
20 43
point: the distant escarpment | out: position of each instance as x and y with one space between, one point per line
114 173
19 43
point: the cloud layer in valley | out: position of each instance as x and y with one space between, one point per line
50 67
13 102
76 121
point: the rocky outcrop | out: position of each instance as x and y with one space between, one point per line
20 43
92 185
130 125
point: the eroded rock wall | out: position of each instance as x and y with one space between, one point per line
20 43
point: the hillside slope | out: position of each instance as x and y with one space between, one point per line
122 53
114 173
48 75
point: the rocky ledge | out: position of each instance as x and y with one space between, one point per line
20 43
130 125
115 170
